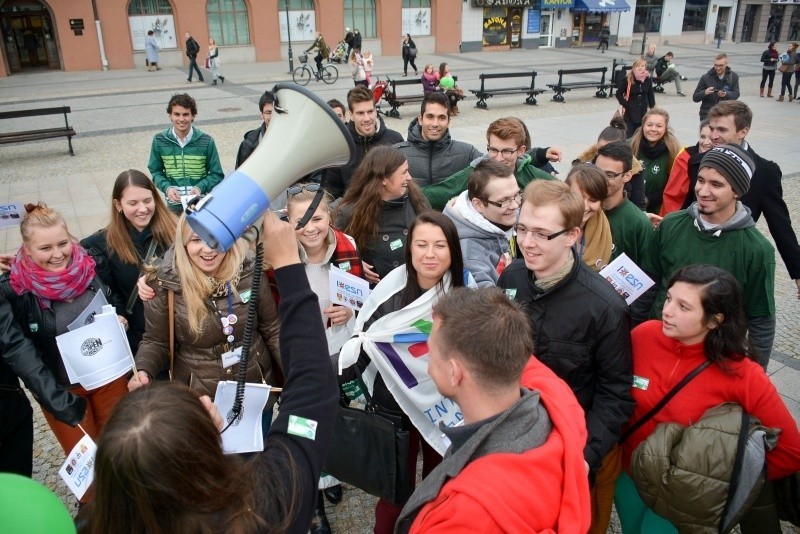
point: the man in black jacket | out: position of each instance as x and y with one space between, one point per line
253 137
730 123
20 359
367 130
720 83
192 49
581 325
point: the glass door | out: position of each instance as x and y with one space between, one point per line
546 30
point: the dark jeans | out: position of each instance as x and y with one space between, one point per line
767 75
796 81
318 60
603 44
16 432
193 65
406 61
786 82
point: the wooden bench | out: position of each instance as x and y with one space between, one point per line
33 135
396 101
484 93
560 88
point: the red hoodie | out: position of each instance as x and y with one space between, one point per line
545 489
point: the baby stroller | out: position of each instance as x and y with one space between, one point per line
339 52
380 88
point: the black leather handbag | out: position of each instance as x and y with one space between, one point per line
369 450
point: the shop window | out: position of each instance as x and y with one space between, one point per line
302 20
227 22
155 15
648 16
417 17
495 26
360 15
694 18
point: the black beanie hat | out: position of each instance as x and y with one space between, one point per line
733 163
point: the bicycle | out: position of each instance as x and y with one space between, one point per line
303 74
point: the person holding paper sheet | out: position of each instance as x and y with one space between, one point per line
581 326
52 281
141 230
702 320
211 294
160 465
719 229
16 416
594 246
433 265
378 209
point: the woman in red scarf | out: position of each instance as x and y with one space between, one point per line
52 280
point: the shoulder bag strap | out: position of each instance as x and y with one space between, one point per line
151 250
171 307
741 444
663 402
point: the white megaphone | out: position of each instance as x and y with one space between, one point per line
304 136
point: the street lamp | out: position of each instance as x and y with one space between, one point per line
289 34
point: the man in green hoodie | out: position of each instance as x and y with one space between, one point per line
183 160
507 142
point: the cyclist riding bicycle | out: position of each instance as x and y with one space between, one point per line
323 52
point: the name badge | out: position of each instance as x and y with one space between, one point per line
640 382
245 295
511 293
345 266
397 243
231 357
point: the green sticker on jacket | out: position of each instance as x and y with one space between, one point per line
245 295
302 427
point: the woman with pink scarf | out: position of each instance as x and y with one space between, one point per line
635 95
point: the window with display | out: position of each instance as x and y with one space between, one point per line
694 18
360 15
155 15
495 26
227 22
648 16
301 20
417 17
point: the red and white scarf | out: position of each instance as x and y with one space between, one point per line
48 286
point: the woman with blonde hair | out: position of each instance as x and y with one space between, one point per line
591 184
141 229
213 61
635 95
430 79
356 63
210 291
656 147
51 282
378 210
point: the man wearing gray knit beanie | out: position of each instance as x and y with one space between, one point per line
718 229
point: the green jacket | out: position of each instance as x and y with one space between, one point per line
631 231
195 165
440 193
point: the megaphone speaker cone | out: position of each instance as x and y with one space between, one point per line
304 136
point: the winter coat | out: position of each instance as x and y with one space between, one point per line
430 82
681 480
728 83
196 164
192 48
582 332
19 358
122 277
39 324
482 243
407 46
641 99
544 488
338 179
770 59
249 144
198 359
151 49
430 162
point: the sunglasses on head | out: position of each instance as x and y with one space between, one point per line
297 189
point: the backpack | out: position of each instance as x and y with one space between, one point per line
661 66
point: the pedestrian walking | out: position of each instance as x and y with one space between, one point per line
409 54
151 49
192 49
212 62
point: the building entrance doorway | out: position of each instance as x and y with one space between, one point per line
28 37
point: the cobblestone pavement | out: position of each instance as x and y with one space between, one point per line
117 112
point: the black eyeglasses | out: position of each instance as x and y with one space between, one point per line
505 152
506 201
297 189
537 235
611 175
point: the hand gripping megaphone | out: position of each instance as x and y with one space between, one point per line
304 136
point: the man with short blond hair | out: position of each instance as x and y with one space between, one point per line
720 83
581 325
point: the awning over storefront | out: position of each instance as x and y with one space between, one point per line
601 6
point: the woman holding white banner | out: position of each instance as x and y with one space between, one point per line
398 311
210 292
52 281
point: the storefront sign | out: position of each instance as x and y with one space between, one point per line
509 3
557 4
534 21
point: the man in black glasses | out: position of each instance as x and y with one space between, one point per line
581 326
631 231
253 137
484 216
507 142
